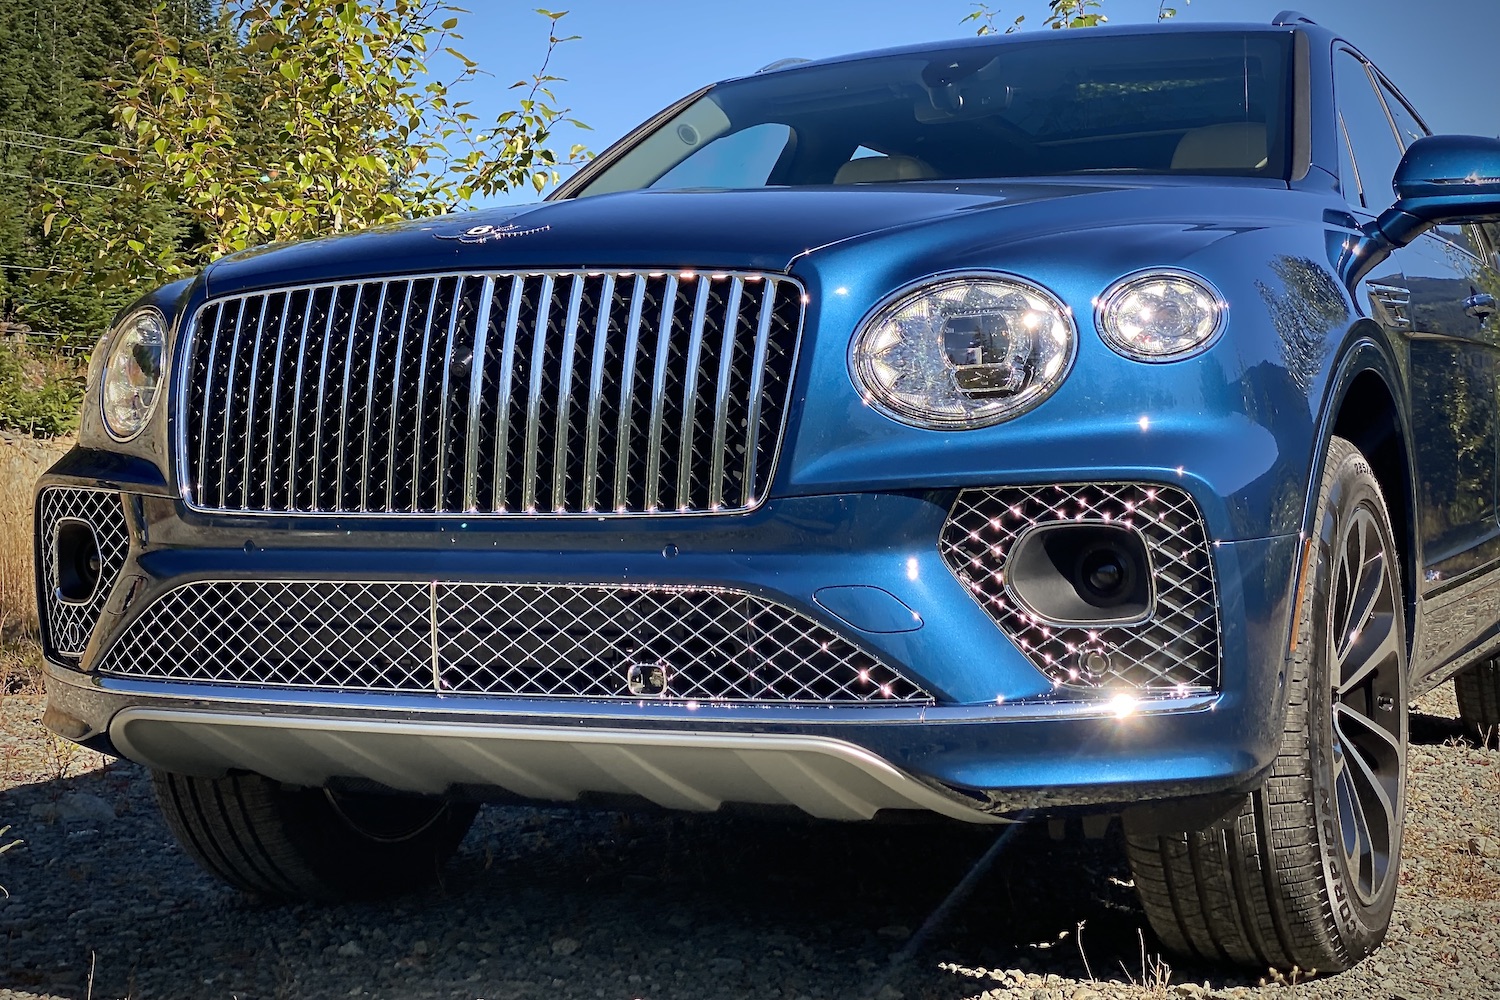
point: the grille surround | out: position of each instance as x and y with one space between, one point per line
1174 652
662 408
69 625
446 638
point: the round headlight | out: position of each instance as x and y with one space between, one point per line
963 351
1160 315
130 378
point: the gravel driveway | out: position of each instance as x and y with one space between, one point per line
561 903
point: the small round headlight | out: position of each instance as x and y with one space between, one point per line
130 378
963 351
1160 315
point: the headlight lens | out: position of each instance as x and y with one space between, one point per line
964 351
131 376
1160 315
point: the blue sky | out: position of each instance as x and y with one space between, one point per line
636 56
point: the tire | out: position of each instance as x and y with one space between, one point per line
282 843
1302 873
1478 689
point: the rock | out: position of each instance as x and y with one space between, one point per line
421 948
724 966
1484 847
565 946
889 992
82 808
350 949
1188 990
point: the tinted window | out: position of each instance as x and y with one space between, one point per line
1407 125
1196 102
1376 152
738 160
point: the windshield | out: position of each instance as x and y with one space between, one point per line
1169 103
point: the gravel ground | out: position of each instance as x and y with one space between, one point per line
561 903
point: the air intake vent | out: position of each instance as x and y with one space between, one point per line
81 546
1174 651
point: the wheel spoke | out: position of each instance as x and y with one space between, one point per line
1368 794
1375 645
1354 827
1358 730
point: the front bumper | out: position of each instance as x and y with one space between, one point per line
998 737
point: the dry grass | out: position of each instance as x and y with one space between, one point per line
21 462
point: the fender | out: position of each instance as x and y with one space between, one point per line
1366 349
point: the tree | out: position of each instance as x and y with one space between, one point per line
300 118
53 116
1060 14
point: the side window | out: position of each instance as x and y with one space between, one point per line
1373 140
742 159
1491 231
1466 238
1407 125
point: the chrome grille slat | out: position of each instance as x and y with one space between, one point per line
534 396
500 639
507 393
721 400
627 395
596 391
565 396
658 397
757 384
690 394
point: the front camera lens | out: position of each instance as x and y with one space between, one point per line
1103 573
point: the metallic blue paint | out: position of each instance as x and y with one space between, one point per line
858 498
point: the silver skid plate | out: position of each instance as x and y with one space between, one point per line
826 778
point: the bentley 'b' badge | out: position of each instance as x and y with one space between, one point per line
485 233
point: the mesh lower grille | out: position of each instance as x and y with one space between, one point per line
501 639
1176 650
70 624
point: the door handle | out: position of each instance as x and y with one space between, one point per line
1480 305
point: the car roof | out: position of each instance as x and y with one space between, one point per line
1045 38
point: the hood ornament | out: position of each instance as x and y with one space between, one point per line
484 233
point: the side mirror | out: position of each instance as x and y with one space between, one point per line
1443 180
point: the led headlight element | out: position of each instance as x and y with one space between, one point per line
1160 315
130 378
963 351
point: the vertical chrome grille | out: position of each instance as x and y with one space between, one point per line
500 393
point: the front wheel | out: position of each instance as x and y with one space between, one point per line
280 842
1303 873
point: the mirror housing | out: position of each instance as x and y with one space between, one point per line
1443 180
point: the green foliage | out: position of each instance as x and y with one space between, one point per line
40 393
53 115
290 119
1060 14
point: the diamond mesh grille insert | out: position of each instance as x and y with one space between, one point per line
1176 650
526 640
499 393
69 624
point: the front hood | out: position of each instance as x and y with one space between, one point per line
751 230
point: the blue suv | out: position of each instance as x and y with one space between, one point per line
1078 423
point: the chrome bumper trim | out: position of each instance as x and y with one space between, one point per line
697 771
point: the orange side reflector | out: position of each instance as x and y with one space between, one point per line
1307 551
